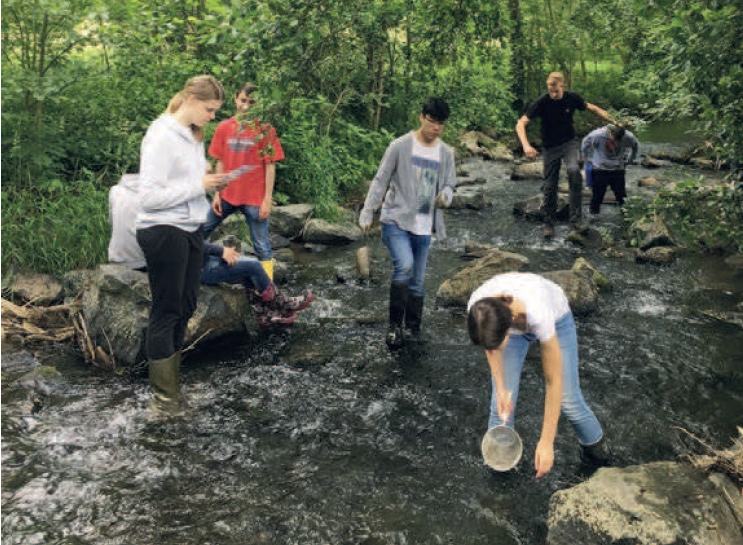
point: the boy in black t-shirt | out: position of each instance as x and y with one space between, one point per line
555 108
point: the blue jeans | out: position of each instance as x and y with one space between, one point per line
574 407
258 229
409 254
248 271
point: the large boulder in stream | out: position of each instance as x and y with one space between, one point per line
116 308
579 283
288 221
319 231
661 503
532 209
456 291
473 197
653 232
531 170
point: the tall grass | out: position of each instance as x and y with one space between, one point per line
55 228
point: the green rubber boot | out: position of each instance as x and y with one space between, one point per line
164 381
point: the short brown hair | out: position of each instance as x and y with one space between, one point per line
488 321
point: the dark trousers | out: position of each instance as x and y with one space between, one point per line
174 259
603 179
551 159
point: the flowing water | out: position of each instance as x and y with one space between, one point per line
319 435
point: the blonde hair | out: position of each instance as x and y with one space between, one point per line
202 87
556 76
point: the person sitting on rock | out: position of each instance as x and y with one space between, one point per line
221 264
504 316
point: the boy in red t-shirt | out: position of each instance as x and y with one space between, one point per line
249 150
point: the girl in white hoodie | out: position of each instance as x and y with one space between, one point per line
173 187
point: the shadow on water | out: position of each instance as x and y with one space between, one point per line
319 435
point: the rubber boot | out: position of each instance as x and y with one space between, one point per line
398 304
268 267
597 455
165 385
414 314
275 308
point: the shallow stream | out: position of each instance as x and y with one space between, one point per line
319 435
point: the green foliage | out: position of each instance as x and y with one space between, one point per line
690 61
710 217
55 227
39 41
328 159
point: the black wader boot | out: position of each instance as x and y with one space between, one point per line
414 314
598 455
398 304
165 385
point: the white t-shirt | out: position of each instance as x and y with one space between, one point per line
426 160
544 301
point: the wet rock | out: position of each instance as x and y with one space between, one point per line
656 256
655 233
589 238
662 503
75 282
288 221
18 362
315 248
675 155
319 231
474 198
476 250
531 210
583 266
467 181
475 141
498 152
735 261
650 182
41 289
456 291
532 170
116 310
42 380
707 164
579 287
278 241
651 163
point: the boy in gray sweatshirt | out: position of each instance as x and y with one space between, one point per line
414 181
609 150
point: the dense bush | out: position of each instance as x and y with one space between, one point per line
707 217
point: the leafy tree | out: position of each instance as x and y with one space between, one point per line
40 39
692 61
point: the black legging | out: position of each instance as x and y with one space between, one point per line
601 179
174 258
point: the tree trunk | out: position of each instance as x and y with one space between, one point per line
517 40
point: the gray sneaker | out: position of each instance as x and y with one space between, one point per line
593 219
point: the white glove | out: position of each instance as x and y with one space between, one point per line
443 199
365 218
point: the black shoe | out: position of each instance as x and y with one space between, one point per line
597 455
549 231
395 337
